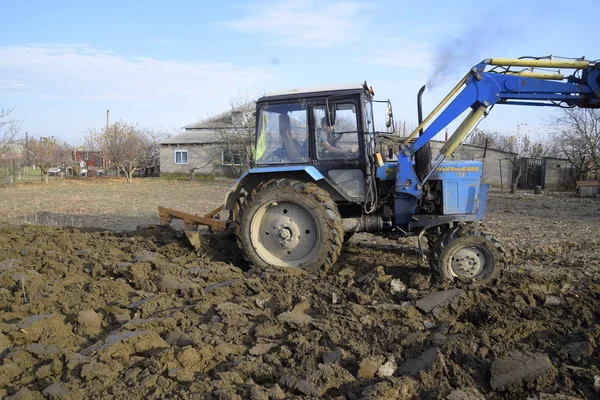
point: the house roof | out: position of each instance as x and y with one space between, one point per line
211 130
224 119
204 136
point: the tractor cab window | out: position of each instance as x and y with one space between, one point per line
282 134
336 133
369 123
369 127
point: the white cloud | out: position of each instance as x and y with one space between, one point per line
308 23
82 72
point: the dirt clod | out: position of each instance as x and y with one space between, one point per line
519 368
260 349
465 394
423 362
90 322
369 366
435 301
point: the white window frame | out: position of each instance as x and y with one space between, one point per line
186 157
228 164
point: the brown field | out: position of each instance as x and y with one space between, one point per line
136 314
105 202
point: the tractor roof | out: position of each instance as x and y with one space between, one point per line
317 91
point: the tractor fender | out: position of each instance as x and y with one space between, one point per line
255 176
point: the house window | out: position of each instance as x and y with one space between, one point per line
181 156
231 157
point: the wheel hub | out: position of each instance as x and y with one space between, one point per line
285 233
468 262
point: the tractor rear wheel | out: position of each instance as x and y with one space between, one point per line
473 255
290 223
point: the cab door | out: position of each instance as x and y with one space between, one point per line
339 154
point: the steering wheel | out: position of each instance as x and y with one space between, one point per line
276 156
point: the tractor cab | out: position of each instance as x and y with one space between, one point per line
329 129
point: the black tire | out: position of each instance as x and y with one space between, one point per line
347 237
290 223
474 256
437 244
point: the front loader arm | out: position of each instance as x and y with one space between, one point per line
482 89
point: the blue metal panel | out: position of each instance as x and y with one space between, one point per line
458 170
406 177
407 190
483 191
387 172
232 193
310 170
461 181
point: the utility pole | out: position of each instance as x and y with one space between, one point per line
107 114
501 184
14 172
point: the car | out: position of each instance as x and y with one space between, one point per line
54 171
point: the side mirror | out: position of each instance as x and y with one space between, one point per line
389 116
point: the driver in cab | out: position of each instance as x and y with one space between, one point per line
328 142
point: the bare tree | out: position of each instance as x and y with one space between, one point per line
152 159
9 130
128 147
521 145
47 152
236 149
233 137
239 138
577 135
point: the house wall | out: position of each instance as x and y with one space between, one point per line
557 174
491 165
90 158
205 157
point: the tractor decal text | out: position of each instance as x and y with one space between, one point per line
458 169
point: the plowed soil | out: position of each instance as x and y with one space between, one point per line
95 313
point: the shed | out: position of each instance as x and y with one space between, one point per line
587 188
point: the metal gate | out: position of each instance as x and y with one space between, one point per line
532 173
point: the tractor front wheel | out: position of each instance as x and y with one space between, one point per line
289 223
473 255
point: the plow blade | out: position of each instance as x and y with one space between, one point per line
192 222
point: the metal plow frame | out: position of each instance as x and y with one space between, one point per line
193 221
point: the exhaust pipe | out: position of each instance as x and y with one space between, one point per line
423 155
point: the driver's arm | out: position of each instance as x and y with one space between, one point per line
332 149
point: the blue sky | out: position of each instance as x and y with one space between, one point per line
166 64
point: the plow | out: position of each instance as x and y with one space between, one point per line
192 222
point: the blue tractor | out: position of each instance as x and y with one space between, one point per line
321 171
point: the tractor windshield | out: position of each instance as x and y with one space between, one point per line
282 134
